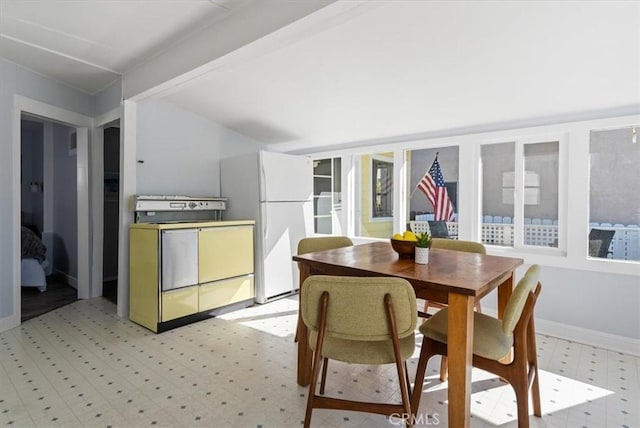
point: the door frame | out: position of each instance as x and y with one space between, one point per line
97 187
82 124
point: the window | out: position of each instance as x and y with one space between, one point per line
421 211
381 188
614 199
327 195
520 182
373 195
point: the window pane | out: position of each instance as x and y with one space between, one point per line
498 190
541 194
336 214
324 181
382 188
421 210
375 201
614 198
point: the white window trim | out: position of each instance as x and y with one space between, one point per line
519 173
390 160
573 195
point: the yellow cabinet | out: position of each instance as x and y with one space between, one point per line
224 252
179 303
144 277
225 292
225 273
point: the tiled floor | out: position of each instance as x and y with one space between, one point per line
82 366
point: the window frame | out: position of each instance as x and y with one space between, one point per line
602 127
373 158
519 185
573 188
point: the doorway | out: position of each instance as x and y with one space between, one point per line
111 210
49 252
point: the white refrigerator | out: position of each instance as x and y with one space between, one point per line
276 190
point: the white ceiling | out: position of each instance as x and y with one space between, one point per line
358 71
89 44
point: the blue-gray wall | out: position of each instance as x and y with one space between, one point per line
15 80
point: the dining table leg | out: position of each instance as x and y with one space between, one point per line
504 294
305 354
460 354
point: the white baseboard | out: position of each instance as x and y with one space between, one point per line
613 342
626 345
70 280
9 322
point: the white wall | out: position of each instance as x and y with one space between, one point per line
586 307
108 99
178 152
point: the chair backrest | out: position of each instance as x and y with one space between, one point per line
599 242
356 309
438 229
518 298
321 243
454 244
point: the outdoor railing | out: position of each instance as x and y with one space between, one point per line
544 232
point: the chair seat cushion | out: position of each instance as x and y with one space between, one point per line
362 352
489 341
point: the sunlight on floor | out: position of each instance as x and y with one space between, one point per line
278 318
559 393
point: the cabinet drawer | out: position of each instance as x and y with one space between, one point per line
224 252
221 293
179 303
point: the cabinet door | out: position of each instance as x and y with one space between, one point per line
179 303
225 292
143 277
225 252
179 258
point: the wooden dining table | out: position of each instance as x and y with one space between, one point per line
456 278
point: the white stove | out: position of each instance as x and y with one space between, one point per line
176 209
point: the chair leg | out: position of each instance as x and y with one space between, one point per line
443 368
312 389
404 393
533 365
325 364
406 376
400 363
521 388
315 370
419 379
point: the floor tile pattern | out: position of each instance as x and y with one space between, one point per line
82 366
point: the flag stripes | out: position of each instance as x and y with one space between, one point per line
432 185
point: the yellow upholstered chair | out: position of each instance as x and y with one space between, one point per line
493 341
320 243
361 320
455 245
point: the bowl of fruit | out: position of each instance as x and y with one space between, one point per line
404 244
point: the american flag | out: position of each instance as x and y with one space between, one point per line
432 185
